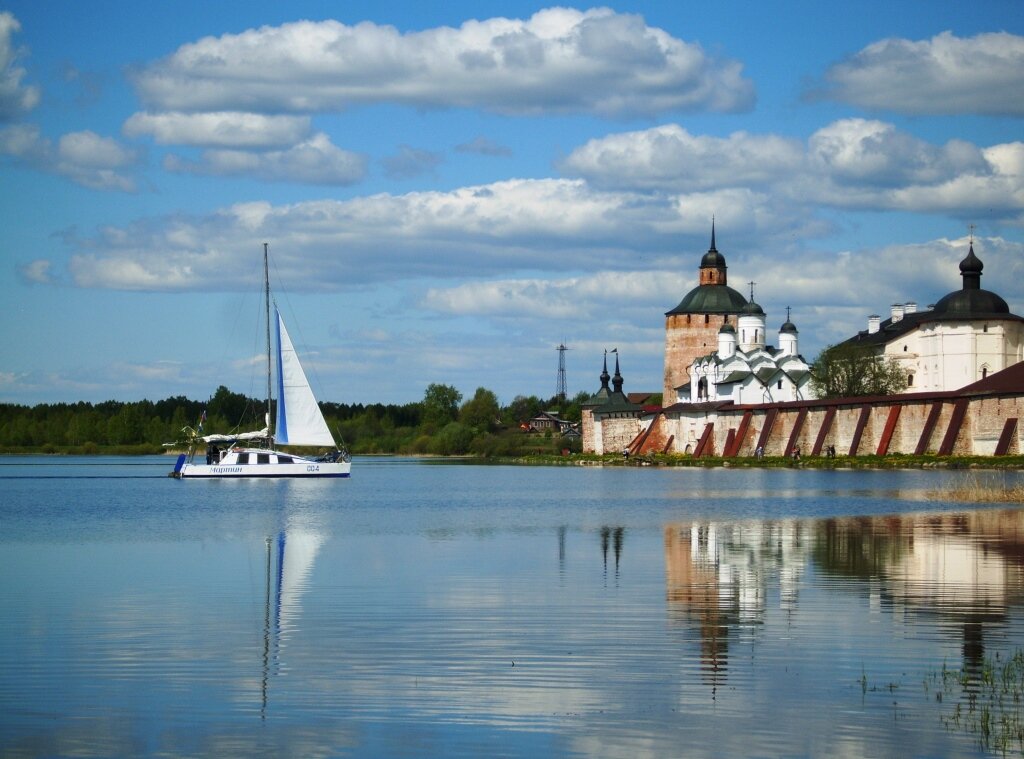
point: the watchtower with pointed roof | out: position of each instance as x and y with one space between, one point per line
691 328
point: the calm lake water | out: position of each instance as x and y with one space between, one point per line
425 609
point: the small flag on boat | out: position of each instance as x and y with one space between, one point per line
202 419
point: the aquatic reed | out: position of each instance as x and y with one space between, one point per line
991 701
976 487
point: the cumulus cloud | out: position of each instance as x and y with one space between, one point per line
220 129
511 226
85 157
669 157
589 296
947 74
560 60
15 98
314 161
850 163
869 164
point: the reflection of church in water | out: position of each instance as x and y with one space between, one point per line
725 581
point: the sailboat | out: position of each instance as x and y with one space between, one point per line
299 421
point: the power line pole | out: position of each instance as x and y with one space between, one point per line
560 390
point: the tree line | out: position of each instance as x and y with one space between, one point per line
441 423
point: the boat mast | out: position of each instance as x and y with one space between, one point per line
266 284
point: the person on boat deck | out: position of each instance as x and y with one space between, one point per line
212 454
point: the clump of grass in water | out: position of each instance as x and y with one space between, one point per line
991 703
975 488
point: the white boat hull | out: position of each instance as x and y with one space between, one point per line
261 463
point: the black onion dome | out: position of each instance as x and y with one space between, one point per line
727 328
751 309
971 300
787 326
712 259
971 263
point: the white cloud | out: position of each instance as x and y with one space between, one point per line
669 157
560 60
875 154
850 163
15 98
221 129
37 272
314 161
503 227
586 297
944 75
85 158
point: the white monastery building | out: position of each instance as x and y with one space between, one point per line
966 336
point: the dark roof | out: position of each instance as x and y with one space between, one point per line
978 304
1009 380
710 299
617 402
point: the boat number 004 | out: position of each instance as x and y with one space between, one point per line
312 467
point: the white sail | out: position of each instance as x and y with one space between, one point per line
299 419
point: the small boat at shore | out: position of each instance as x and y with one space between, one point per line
299 422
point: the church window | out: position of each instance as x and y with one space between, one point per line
984 328
984 372
904 349
780 384
910 380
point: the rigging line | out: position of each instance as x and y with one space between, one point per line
233 335
296 324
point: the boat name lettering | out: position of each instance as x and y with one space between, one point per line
226 469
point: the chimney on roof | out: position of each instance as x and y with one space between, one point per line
897 312
873 322
910 308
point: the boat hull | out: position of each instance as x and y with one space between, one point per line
260 464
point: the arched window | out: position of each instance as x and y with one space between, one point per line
910 380
984 372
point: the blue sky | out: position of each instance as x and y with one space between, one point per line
449 193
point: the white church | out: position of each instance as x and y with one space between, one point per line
744 369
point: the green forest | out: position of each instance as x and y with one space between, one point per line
442 423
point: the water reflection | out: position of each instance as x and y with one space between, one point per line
289 563
964 569
613 535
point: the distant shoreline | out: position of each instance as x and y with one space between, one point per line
893 461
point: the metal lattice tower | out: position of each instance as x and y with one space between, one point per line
560 390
